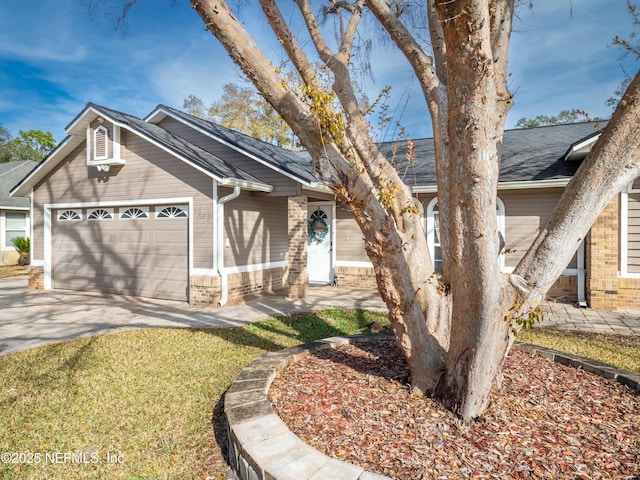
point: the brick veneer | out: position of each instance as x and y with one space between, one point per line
207 290
605 288
356 277
36 277
298 275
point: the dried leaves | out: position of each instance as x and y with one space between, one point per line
549 421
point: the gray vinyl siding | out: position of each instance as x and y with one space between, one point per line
349 239
526 212
255 229
150 173
282 185
633 233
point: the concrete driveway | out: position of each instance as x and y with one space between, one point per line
33 317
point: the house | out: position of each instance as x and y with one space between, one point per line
172 206
14 211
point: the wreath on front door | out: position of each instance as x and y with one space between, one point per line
317 227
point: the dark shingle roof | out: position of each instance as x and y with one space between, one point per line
193 154
294 163
528 154
11 174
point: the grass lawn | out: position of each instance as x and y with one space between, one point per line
150 399
147 404
7 271
622 351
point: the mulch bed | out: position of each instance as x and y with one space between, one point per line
548 421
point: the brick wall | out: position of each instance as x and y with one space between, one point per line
36 277
605 289
565 290
207 290
602 258
356 277
298 276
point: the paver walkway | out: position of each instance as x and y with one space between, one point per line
33 317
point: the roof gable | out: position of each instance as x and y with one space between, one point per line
192 155
293 164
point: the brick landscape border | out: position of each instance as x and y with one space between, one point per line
261 447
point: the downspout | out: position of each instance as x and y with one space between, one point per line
224 281
582 300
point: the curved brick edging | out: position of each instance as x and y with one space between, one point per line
261 447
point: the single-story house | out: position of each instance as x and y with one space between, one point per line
14 211
176 207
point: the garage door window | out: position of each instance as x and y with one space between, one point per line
171 212
101 214
136 212
66 215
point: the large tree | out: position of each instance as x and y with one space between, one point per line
30 145
455 329
242 108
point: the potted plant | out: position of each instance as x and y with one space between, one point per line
22 244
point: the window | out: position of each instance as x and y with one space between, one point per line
630 231
65 215
100 137
135 212
101 214
433 233
171 212
16 226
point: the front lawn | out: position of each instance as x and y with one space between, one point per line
147 404
142 404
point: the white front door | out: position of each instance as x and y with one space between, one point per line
319 243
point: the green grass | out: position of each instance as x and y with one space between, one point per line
152 397
622 351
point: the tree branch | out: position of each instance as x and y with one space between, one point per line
613 163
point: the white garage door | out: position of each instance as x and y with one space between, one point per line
140 250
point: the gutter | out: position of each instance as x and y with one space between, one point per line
224 280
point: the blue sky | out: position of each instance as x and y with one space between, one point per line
54 59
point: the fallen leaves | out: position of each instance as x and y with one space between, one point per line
548 421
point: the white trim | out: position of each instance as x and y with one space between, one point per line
37 263
348 263
22 209
624 234
122 203
582 298
524 185
579 146
205 272
256 267
49 207
567 272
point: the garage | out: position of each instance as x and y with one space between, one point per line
131 250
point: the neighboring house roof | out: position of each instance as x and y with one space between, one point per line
293 164
10 175
191 154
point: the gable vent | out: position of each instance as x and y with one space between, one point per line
100 143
